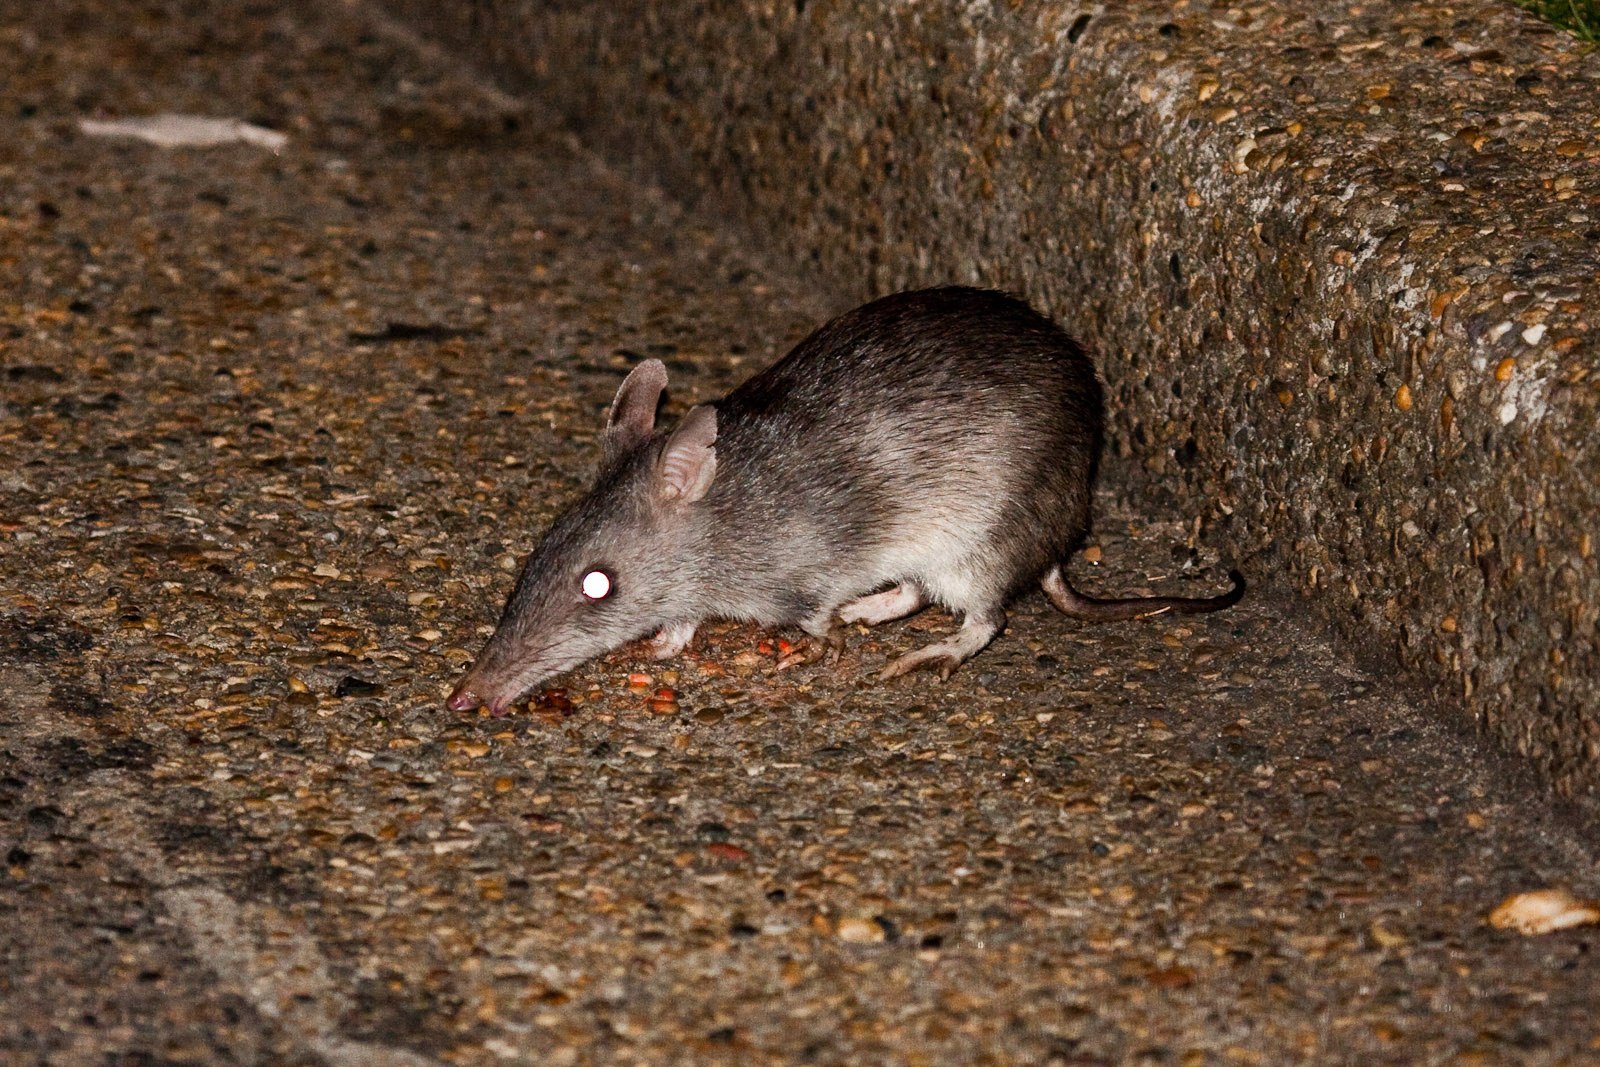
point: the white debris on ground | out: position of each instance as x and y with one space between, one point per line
1543 911
186 131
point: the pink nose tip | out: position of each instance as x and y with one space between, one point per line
463 698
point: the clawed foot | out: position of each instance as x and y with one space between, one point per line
977 630
932 658
810 649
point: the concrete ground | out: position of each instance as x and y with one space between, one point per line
274 430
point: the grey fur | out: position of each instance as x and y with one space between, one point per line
943 441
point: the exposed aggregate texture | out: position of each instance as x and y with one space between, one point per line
274 431
1341 261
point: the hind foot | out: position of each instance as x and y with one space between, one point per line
977 630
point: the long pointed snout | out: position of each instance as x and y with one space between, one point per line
509 666
472 692
462 697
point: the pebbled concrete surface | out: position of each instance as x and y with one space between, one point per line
1340 260
273 431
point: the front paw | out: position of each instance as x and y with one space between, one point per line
812 649
670 640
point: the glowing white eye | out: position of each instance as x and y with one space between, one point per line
596 584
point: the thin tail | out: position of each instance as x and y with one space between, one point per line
1071 602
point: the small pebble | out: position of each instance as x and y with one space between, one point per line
1170 977
860 931
1385 937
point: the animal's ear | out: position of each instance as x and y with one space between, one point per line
689 460
633 412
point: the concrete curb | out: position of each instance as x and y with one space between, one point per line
1339 262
